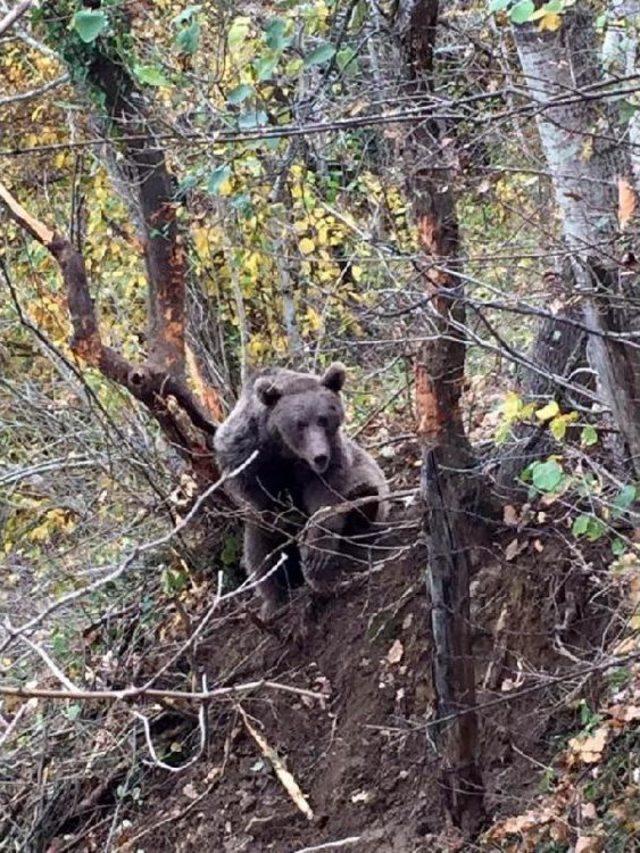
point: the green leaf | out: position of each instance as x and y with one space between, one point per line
74 711
186 14
252 119
346 58
498 5
174 581
188 182
242 203
323 53
546 476
274 35
240 94
188 38
623 500
150 75
627 110
522 12
554 7
265 67
580 525
217 179
238 31
589 436
89 24
618 547
596 529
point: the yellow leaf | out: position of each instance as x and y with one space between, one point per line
306 245
512 405
356 272
201 240
550 22
559 424
549 411
314 320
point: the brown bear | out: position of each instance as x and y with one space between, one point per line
304 464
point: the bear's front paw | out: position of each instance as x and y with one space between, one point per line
317 571
269 610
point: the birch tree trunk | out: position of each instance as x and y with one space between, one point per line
574 129
620 60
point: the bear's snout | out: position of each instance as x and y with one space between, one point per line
320 463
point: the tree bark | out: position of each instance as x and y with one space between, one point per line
446 480
183 418
581 161
620 60
159 383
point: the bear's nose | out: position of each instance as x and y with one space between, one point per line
320 462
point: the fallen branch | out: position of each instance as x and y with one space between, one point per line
130 693
286 778
12 16
331 845
34 93
202 727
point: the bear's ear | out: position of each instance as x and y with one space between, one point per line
267 392
334 376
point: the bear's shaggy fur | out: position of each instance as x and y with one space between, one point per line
304 464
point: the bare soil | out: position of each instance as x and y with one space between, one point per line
364 757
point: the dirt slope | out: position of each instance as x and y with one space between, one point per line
363 757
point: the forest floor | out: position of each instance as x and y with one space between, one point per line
362 755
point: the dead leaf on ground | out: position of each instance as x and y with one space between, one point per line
514 548
624 713
589 844
589 749
190 791
510 515
394 655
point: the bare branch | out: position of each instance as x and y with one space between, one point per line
17 12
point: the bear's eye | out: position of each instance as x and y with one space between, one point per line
300 425
323 422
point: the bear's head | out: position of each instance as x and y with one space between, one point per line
306 423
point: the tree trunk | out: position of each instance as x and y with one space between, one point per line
159 382
560 66
559 351
446 479
620 60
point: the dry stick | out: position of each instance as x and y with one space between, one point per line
193 636
331 845
50 663
12 16
34 93
286 778
14 723
203 737
205 619
154 693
